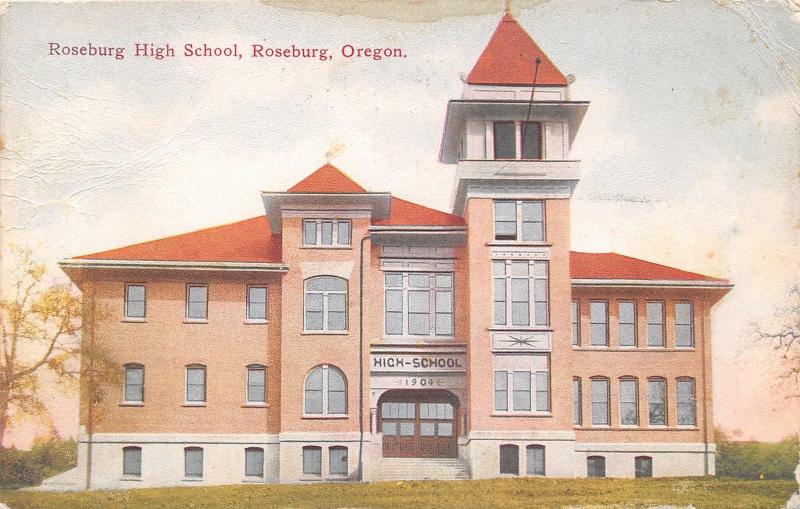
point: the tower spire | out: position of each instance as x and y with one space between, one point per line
507 6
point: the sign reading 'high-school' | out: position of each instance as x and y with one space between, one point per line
418 362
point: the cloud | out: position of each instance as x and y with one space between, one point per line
776 111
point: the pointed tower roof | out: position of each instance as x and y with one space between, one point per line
510 58
327 179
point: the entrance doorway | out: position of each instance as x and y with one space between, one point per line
419 424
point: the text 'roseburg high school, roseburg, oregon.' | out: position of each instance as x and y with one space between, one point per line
348 334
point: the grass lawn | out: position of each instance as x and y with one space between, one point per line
515 493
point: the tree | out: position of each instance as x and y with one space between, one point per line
784 337
40 325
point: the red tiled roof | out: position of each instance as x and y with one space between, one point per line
509 59
245 241
406 213
327 179
617 266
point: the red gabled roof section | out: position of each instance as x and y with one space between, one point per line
406 213
327 179
245 241
510 59
617 266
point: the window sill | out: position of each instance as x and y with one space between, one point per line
309 478
318 246
130 319
504 243
131 478
192 479
255 405
336 477
324 416
132 403
253 479
256 322
195 321
520 328
522 414
324 333
414 339
193 404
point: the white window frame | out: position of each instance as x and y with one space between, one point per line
334 233
576 323
690 324
592 323
664 402
188 291
653 324
607 402
532 277
126 314
539 390
125 400
325 389
433 292
519 219
263 457
186 399
620 323
202 463
325 294
531 448
131 475
249 305
680 403
303 460
577 401
635 402
255 367
331 472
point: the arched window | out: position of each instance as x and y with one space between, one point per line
628 401
509 459
193 462
325 391
312 460
254 462
643 466
132 461
337 460
600 401
325 304
657 401
686 401
535 459
596 466
134 383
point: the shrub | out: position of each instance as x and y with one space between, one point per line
46 458
756 460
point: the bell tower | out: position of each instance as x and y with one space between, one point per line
510 136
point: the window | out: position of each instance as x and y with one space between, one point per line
686 402
257 303
628 402
134 383
643 466
254 462
529 381
600 401
577 402
506 136
312 460
576 323
599 323
325 391
535 459
326 232
657 401
337 460
193 462
596 466
418 304
684 336
132 461
519 220
531 140
514 283
135 302
325 304
505 140
196 383
627 324
196 302
655 324
509 459
398 419
256 384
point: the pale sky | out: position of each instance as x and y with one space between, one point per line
690 146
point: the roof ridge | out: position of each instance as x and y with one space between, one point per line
321 176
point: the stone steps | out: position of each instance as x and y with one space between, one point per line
417 469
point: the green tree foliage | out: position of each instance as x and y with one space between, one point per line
48 457
756 460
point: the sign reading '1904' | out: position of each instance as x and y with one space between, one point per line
418 362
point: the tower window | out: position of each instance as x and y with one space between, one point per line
518 140
505 140
531 140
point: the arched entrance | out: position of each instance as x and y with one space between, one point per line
419 423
